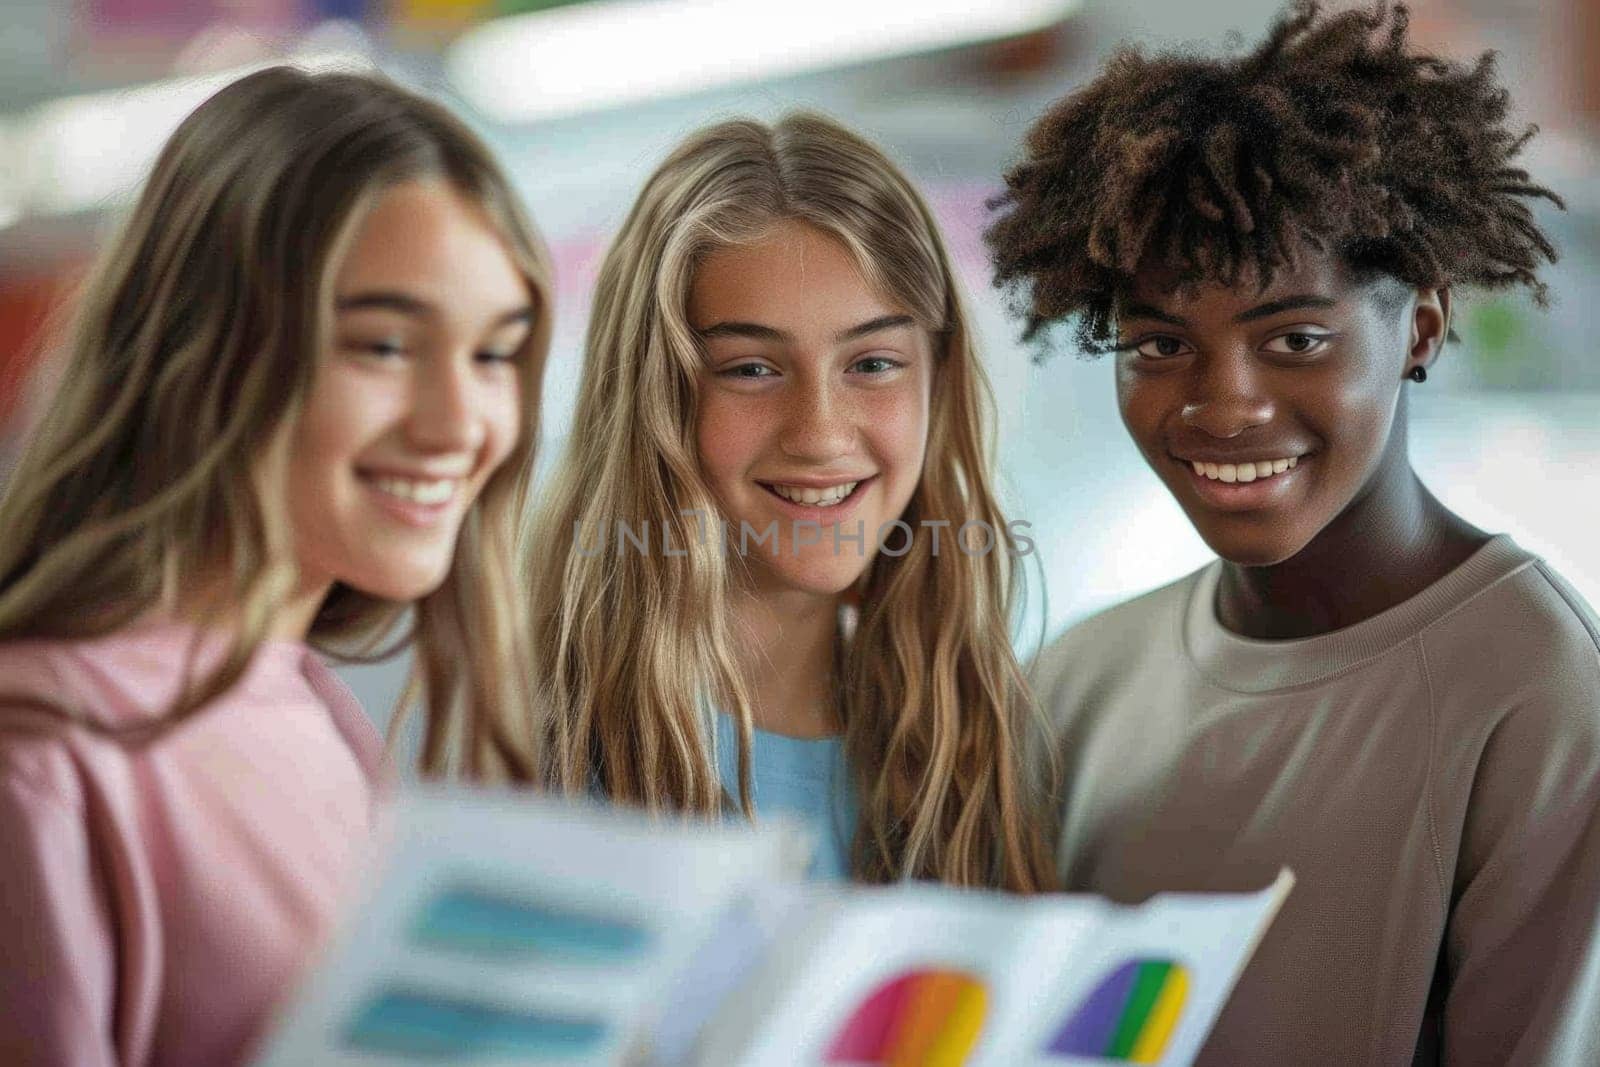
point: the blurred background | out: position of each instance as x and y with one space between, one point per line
582 99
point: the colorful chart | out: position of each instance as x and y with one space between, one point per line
919 1019
1130 1016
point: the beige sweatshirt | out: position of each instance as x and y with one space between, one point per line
1432 775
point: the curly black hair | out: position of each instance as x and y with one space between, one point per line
1330 136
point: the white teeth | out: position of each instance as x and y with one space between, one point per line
418 492
825 498
1243 472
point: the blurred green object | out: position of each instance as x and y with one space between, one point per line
524 7
1496 333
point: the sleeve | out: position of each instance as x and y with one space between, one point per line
1522 948
57 957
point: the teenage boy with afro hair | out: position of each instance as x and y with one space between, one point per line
1364 687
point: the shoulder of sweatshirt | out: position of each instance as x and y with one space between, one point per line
1527 643
50 688
37 761
1110 642
122 678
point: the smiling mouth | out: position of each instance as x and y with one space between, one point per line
427 492
1263 484
816 496
1248 471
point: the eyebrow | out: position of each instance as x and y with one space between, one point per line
882 322
1260 311
757 332
405 304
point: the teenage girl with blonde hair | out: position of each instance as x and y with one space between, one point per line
300 397
778 370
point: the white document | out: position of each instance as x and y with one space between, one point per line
513 929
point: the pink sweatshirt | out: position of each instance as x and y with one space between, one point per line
157 903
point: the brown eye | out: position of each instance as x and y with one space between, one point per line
1162 346
1298 343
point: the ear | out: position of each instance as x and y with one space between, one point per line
1430 327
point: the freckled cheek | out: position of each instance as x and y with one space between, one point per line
895 425
730 435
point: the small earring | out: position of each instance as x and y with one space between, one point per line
1419 374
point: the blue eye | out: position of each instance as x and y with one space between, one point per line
874 365
747 371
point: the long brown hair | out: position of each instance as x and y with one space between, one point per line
634 651
188 359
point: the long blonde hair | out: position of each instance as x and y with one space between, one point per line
188 360
631 649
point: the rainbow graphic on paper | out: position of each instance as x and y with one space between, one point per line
1130 1016
919 1019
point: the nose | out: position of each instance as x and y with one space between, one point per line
445 411
818 424
1227 397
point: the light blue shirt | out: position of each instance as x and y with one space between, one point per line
801 777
